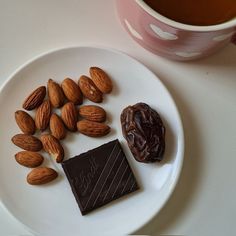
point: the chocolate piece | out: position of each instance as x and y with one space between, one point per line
99 176
144 132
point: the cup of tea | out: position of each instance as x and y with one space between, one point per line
180 29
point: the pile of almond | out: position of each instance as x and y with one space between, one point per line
87 119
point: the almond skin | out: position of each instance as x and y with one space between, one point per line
89 89
52 146
101 79
29 159
41 175
69 116
35 98
27 142
92 129
92 113
57 127
55 94
72 91
42 115
25 122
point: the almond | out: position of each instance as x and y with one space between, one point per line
92 129
42 115
25 122
29 159
101 79
35 98
57 127
92 113
41 175
55 94
89 89
27 142
69 116
52 146
72 91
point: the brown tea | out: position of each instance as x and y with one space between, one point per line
195 12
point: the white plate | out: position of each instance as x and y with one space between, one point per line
51 209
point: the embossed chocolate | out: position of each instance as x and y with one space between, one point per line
144 132
99 176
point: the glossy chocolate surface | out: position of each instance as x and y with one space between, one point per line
99 176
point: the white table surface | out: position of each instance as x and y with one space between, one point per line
204 201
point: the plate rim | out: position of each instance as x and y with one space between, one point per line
181 141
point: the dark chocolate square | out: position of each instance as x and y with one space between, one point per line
99 176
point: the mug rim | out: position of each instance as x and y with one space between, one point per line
175 24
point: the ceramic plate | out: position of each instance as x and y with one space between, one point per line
51 209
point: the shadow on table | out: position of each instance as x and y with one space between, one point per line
223 58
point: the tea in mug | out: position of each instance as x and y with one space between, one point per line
195 12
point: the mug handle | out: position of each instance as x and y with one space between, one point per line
233 39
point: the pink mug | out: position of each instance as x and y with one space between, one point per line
169 38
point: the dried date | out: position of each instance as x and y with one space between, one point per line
144 132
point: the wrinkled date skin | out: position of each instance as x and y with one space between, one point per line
144 132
